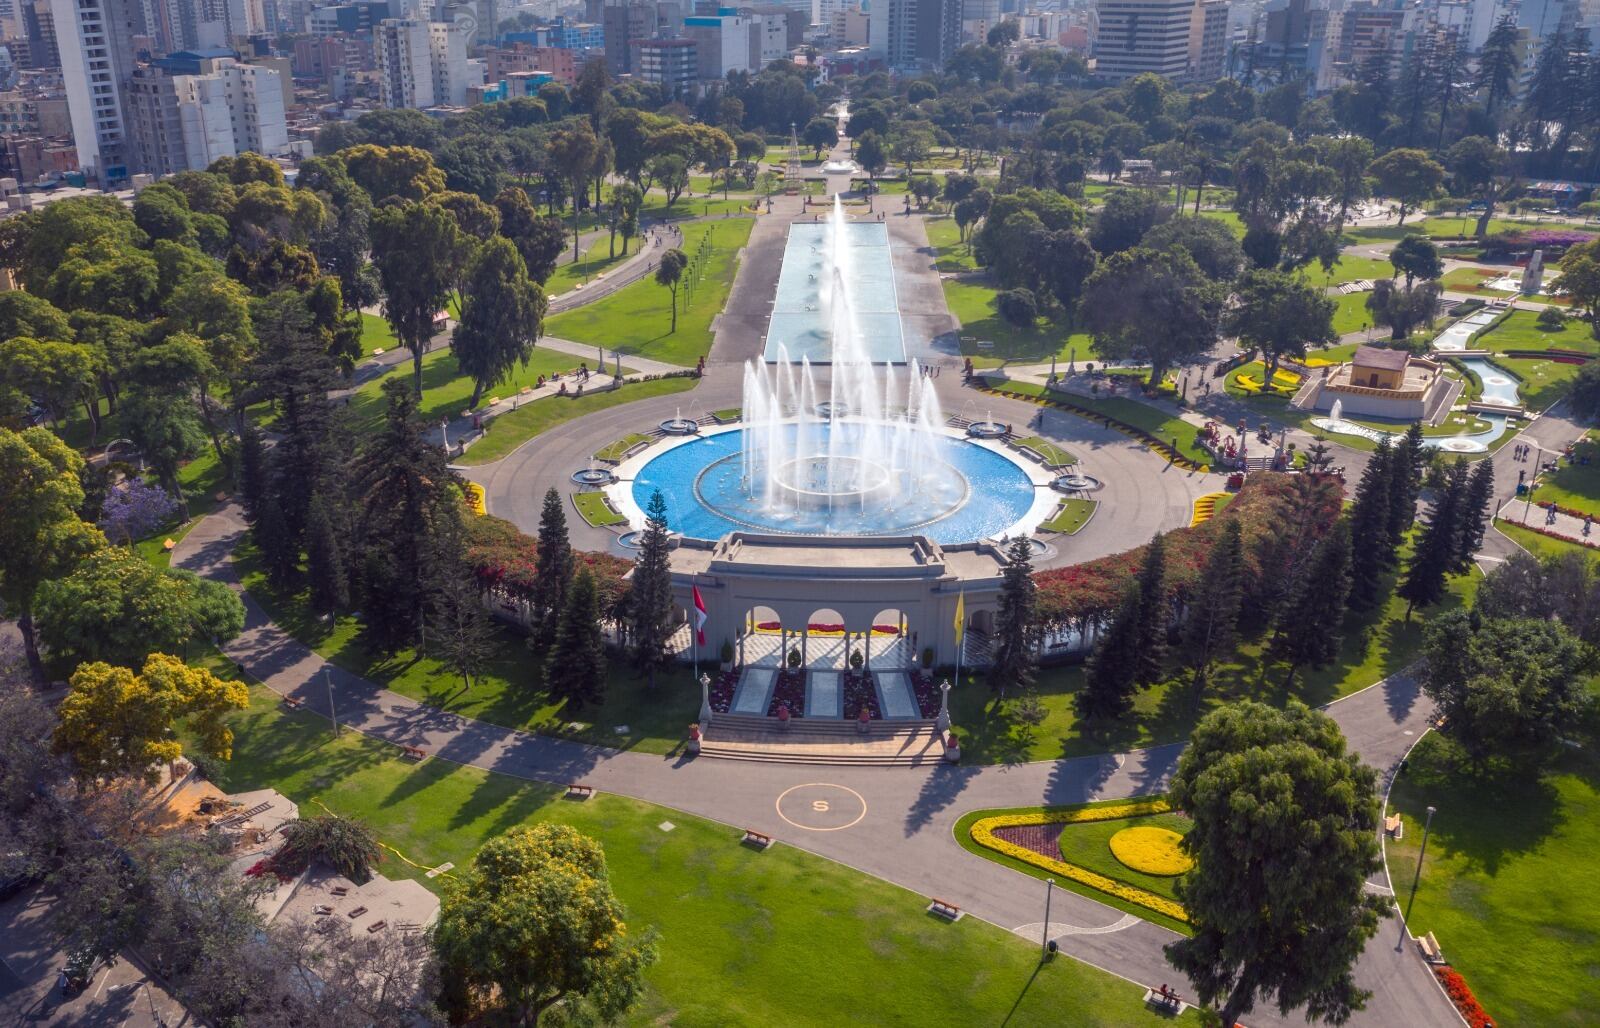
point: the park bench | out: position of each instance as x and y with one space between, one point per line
1430 949
1394 827
292 703
377 926
414 752
575 791
756 839
1169 1003
340 890
945 910
357 912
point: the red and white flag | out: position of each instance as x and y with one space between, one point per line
699 617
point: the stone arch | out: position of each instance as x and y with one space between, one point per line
825 639
761 635
888 644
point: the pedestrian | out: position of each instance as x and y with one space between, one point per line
1587 521
63 982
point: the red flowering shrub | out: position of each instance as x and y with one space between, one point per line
505 560
1461 995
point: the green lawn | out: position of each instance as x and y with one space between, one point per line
1230 218
376 334
1349 268
1543 381
592 508
1437 227
617 450
1575 485
1054 456
1473 280
1140 415
972 302
510 430
745 936
445 391
1350 313
950 253
1374 647
511 690
596 259
1537 544
1070 517
1502 887
1521 331
636 318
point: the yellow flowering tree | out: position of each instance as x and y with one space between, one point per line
116 723
535 919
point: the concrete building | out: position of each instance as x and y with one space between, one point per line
769 39
402 49
622 22
1208 41
914 35
97 60
850 27
561 65
1138 36
722 44
37 158
28 115
452 72
672 64
188 110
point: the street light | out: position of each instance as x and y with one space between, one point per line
327 679
1044 943
1421 852
444 432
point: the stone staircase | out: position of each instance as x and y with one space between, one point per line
823 741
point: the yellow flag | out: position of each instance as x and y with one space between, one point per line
961 616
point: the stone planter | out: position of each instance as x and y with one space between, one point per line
952 749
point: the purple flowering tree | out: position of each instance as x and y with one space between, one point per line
136 509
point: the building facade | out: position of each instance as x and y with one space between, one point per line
97 60
1138 36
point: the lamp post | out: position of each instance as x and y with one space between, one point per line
1044 941
705 698
1421 852
327 680
444 432
943 723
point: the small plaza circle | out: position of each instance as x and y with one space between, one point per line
821 807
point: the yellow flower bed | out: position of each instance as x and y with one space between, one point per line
1151 850
983 835
1205 507
475 499
1318 362
1281 379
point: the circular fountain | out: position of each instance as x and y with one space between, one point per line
593 476
988 428
1075 483
680 425
840 167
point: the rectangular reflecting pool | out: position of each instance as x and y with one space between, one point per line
800 322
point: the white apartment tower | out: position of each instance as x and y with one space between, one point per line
95 38
1136 36
402 49
452 72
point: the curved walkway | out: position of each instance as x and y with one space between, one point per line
906 832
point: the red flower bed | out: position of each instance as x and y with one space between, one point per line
722 689
926 692
506 559
1461 995
790 690
1541 530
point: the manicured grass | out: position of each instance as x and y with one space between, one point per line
1437 227
636 318
445 390
1543 381
509 431
615 451
1349 268
1072 516
1502 887
1574 484
972 302
1350 313
570 274
1230 218
1540 545
746 937
511 690
593 509
1374 647
950 252
1474 280
1520 330
727 414
1054 456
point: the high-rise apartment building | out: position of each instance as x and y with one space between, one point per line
188 109
1208 41
1136 36
452 72
625 22
402 49
672 64
912 35
97 59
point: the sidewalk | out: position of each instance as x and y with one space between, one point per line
1520 511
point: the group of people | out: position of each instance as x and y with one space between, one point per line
1520 451
928 370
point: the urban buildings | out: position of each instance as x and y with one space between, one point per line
423 64
1138 36
97 60
910 35
188 109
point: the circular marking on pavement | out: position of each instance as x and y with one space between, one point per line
821 806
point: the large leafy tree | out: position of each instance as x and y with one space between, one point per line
650 597
382 172
118 607
1280 314
581 156
538 239
532 923
669 273
115 722
500 319
1409 176
1151 305
416 247
1208 240
1285 836
57 374
41 535
1506 687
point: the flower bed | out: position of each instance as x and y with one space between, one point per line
926 692
722 690
983 833
790 690
1541 530
1461 995
858 690
1151 850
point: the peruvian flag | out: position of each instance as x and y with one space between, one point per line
699 617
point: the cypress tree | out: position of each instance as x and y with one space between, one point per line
1109 676
553 574
325 567
1016 636
278 550
1369 522
1155 615
1436 550
464 638
650 596
1211 630
252 473
575 667
1309 625
1476 511
1405 480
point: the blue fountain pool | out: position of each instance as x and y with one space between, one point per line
800 322
983 495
